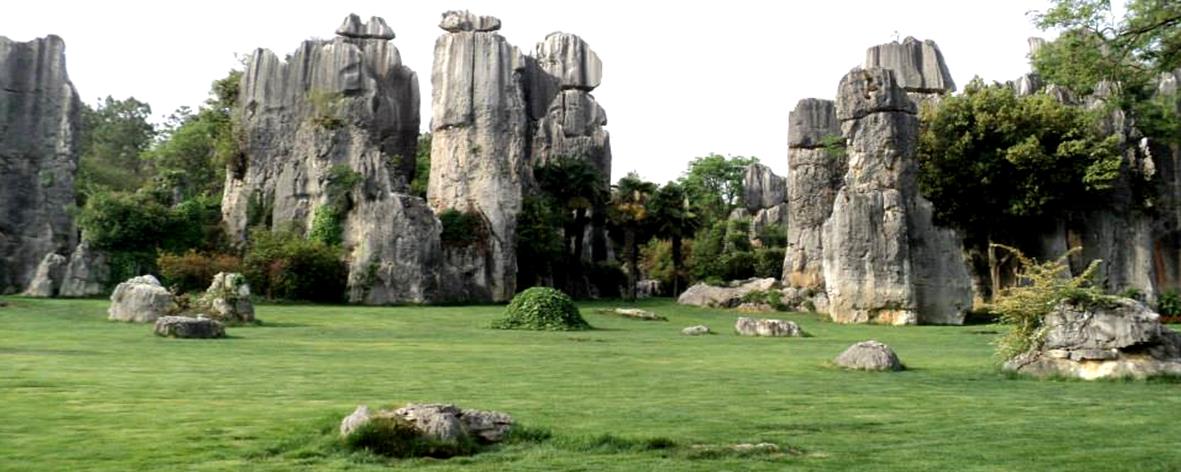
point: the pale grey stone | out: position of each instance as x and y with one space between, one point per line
811 122
47 280
87 273
140 300
188 327
354 420
375 28
228 299
815 174
39 130
869 355
767 327
460 21
705 295
762 188
697 330
638 314
918 65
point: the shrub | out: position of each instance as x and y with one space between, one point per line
773 298
193 271
1169 303
738 265
461 228
542 309
769 262
392 436
606 277
1040 287
283 265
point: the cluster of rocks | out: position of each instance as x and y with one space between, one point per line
228 299
736 295
440 422
39 131
764 202
1118 338
143 299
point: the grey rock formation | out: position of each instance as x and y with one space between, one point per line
442 422
87 273
884 261
565 62
869 355
1122 339
573 127
705 295
918 65
39 125
341 105
698 330
47 280
637 314
766 219
140 300
762 188
816 169
375 28
189 327
460 21
228 299
767 327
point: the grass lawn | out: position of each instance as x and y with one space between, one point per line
78 392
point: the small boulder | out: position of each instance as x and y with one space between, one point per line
710 296
48 278
140 300
356 419
869 355
699 330
189 327
767 327
439 422
459 21
228 299
637 314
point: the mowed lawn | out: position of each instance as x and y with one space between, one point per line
78 392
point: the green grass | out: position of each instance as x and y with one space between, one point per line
78 392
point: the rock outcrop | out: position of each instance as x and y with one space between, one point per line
1120 339
762 188
47 280
884 262
339 110
816 167
87 273
141 300
187 327
440 422
869 355
39 125
228 299
767 327
918 66
705 295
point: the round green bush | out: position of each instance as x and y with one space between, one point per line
542 309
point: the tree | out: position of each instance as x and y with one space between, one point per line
114 136
577 188
1095 47
629 212
194 149
422 166
714 184
994 163
674 218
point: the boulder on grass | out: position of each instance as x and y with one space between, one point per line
710 296
767 327
228 299
869 355
140 300
1120 338
698 330
636 314
189 327
437 422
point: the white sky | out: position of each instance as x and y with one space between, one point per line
680 79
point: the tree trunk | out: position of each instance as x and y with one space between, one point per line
629 241
994 270
677 263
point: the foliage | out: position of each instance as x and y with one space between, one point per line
673 218
1041 286
462 228
114 134
836 145
772 297
656 261
194 148
193 271
628 211
769 262
328 224
708 246
283 265
326 109
542 309
1168 303
422 166
539 247
392 436
132 222
992 160
714 183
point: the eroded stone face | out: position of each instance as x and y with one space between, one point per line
141 300
918 65
39 125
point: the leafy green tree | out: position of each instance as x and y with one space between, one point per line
576 188
194 148
675 219
994 163
629 212
114 136
714 184
422 166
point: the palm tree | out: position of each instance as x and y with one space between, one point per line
629 211
673 218
578 188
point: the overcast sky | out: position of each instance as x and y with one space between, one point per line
680 79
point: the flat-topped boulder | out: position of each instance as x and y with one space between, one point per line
767 327
1112 339
705 295
438 421
869 355
189 327
460 21
140 300
570 60
811 122
919 65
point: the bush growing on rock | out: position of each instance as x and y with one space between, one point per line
283 265
542 309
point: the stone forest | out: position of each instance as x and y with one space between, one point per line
301 248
